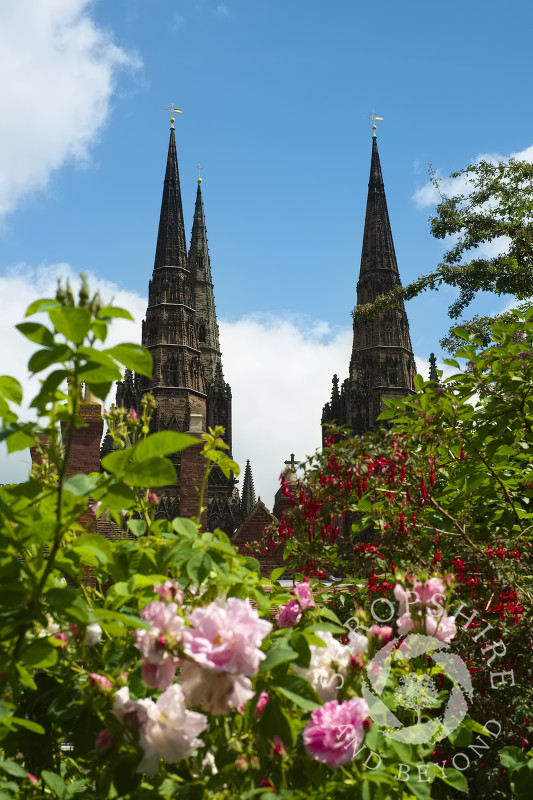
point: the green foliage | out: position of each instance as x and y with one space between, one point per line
71 600
446 489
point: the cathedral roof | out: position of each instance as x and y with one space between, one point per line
171 250
248 491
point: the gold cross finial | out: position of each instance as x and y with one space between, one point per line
373 116
172 110
200 168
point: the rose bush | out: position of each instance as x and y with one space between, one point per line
150 665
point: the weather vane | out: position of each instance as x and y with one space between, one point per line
172 110
373 117
200 168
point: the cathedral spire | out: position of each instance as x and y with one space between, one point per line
248 491
382 363
200 269
171 249
378 258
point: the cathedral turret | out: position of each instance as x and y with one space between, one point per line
382 362
248 491
204 299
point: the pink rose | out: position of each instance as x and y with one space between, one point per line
289 615
278 747
31 777
133 415
335 731
226 638
303 594
104 740
100 681
262 703
159 676
215 692
170 590
383 633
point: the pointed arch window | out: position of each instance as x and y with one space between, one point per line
202 333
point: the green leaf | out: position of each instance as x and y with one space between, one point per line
81 485
134 357
275 722
298 699
152 472
42 304
253 564
73 322
11 389
40 654
12 768
36 333
185 526
278 654
277 573
199 566
29 724
44 358
116 461
17 436
162 443
137 527
55 782
25 677
454 778
110 312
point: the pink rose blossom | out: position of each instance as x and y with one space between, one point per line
104 740
433 591
153 498
335 731
226 638
215 692
133 415
128 711
278 747
262 703
303 594
31 777
159 676
289 614
100 681
383 633
170 731
170 590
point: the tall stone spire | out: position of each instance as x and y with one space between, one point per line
223 509
382 362
248 491
204 299
171 249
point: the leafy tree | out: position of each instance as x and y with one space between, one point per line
497 201
448 487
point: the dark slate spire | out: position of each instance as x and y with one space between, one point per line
171 250
382 362
378 257
433 376
248 491
204 299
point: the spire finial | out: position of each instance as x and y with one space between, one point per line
172 110
373 116
199 179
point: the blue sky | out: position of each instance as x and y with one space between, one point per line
274 94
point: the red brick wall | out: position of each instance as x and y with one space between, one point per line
192 469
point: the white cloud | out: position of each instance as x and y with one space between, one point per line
428 194
221 10
59 70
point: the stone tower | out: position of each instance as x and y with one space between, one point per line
382 362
